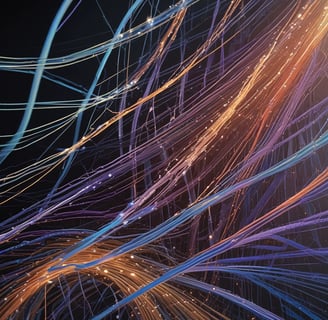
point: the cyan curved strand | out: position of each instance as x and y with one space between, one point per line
84 104
10 146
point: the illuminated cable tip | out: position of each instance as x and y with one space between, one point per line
150 21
